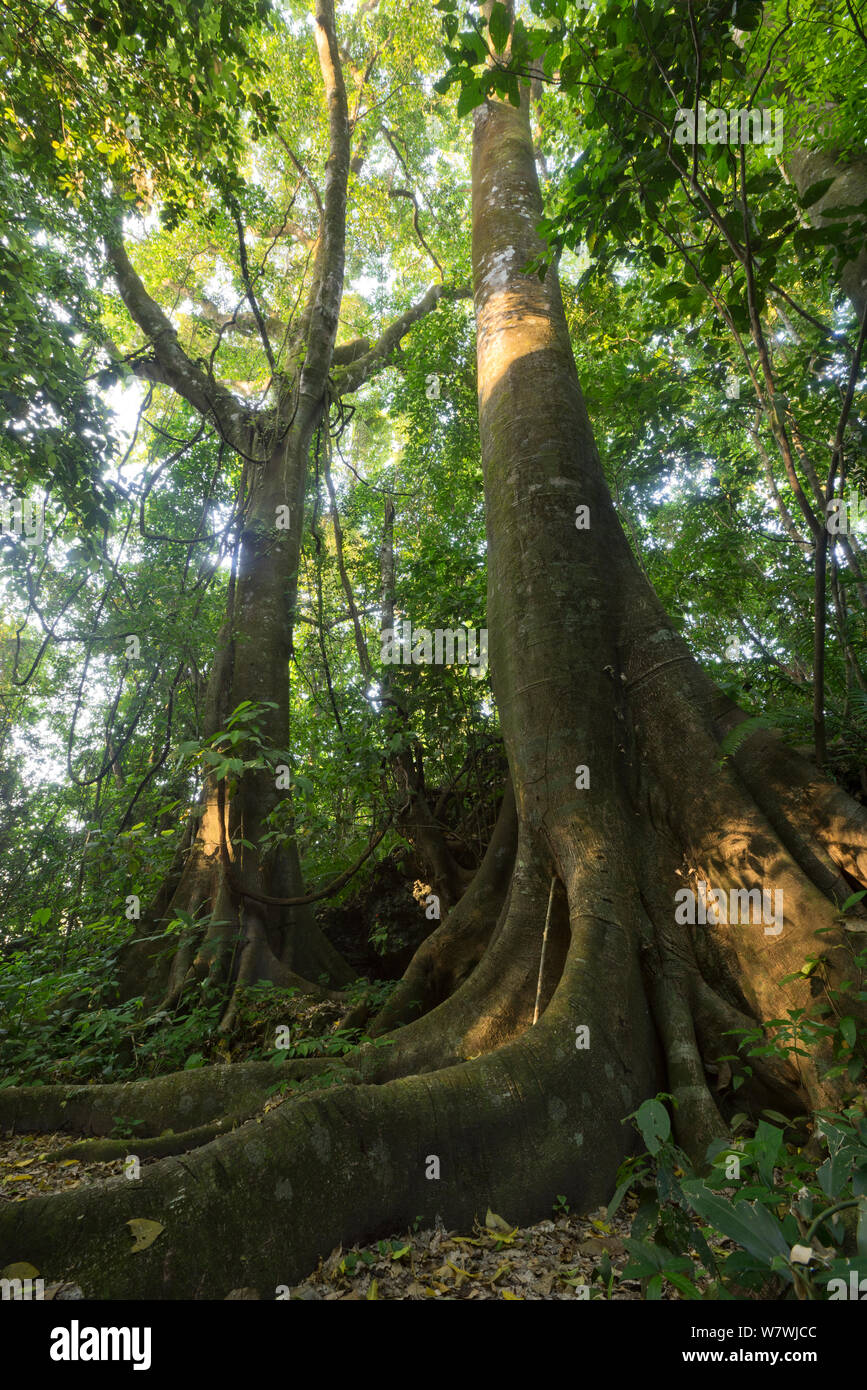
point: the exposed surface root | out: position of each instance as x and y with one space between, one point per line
183 1100
509 1130
102 1150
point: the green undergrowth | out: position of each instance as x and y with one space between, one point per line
778 1210
60 1022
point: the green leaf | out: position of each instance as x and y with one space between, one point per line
470 97
741 732
849 1030
620 1193
641 1265
474 49
499 26
653 1122
853 899
832 1175
749 1224
747 14
816 191
686 1286
675 289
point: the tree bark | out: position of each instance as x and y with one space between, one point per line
848 189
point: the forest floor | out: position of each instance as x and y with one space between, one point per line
549 1261
553 1260
26 1171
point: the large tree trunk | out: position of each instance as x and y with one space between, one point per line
587 672
223 882
848 189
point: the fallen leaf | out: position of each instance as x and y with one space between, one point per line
22 1270
593 1246
145 1233
496 1223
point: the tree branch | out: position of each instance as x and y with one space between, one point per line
407 193
303 171
248 286
345 353
220 318
328 285
364 367
170 365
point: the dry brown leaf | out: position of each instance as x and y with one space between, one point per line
145 1233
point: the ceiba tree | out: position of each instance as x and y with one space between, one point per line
253 920
517 1079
